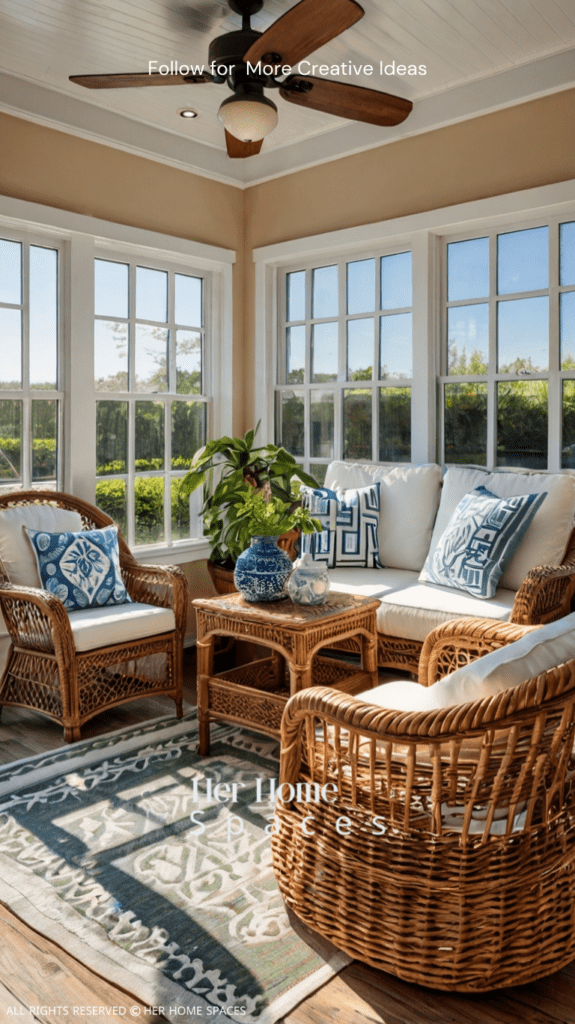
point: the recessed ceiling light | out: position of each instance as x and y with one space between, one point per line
188 112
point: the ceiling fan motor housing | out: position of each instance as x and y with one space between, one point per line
228 50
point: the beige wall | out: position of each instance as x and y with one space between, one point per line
517 148
41 165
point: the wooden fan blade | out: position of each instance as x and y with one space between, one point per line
129 80
303 29
343 100
238 150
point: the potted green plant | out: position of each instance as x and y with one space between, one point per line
262 570
225 468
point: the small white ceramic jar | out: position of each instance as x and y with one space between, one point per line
309 581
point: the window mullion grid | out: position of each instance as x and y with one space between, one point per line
491 454
167 469
555 414
26 469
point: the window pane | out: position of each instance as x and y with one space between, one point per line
292 422
321 424
395 424
568 440
396 281
395 351
43 317
523 335
567 321
10 441
468 269
10 272
149 431
567 253
324 352
295 354
151 358
111 289
295 295
324 292
318 470
188 363
361 286
11 335
151 294
188 432
357 423
44 440
468 339
110 355
523 261
180 508
111 438
360 349
522 421
188 308
111 498
466 423
149 499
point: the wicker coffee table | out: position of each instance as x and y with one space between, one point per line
255 694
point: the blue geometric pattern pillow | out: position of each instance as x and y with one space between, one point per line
82 569
349 519
479 539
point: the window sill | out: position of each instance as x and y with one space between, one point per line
176 554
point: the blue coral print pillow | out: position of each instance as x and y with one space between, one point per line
82 569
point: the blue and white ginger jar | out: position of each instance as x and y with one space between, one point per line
309 581
262 571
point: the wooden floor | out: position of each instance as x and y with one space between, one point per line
40 981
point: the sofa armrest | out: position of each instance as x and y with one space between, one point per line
544 595
461 641
35 619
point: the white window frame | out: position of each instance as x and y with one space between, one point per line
341 384
27 394
82 239
423 233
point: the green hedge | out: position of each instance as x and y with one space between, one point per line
149 501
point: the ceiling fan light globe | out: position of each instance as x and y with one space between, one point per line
248 118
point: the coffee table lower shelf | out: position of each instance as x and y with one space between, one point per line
252 696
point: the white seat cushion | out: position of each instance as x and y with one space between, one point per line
369 582
118 623
409 502
16 550
411 609
545 540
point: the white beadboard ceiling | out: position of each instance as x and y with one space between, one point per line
479 55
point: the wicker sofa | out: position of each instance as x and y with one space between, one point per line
439 843
416 505
72 665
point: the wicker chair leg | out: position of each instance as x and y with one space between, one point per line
71 734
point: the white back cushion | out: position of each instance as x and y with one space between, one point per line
409 502
538 651
16 551
545 540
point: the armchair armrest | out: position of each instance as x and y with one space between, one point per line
162 585
461 641
35 619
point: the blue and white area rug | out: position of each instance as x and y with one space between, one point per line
152 866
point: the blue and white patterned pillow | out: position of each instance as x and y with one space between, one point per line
82 569
479 540
349 526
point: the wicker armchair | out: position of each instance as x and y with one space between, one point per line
45 672
453 862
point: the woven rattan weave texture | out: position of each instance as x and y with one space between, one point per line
43 669
447 856
256 694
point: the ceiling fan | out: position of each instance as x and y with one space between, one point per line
250 61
